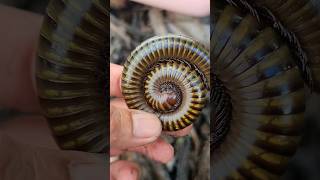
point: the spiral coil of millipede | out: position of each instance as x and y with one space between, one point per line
264 58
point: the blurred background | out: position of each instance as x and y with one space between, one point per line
133 23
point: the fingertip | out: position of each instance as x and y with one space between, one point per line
129 173
124 170
132 128
160 151
202 8
146 125
167 153
163 152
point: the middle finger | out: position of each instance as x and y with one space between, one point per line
159 150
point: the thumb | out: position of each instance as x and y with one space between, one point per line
132 128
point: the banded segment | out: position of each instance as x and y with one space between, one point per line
266 89
71 73
300 21
168 76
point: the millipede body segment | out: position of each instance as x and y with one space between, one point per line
264 58
168 76
71 73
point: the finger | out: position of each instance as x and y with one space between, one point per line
115 151
19 41
131 128
198 8
124 170
183 132
160 151
115 80
120 103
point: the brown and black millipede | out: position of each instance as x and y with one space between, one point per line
169 76
265 55
71 73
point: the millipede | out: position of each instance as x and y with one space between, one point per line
262 62
169 76
264 59
71 73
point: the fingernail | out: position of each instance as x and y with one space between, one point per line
134 173
126 174
145 125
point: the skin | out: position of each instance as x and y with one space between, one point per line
29 134
197 8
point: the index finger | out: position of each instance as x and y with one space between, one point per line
115 80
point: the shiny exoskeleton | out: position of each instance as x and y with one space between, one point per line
264 57
168 76
71 73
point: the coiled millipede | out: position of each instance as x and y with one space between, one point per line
72 71
264 54
168 76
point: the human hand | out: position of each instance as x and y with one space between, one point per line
133 130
